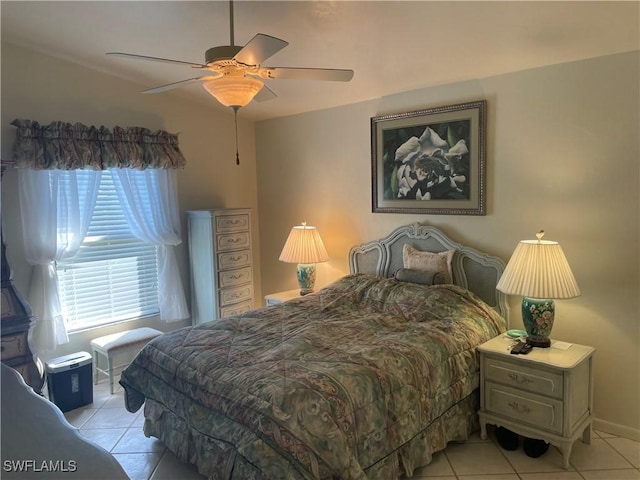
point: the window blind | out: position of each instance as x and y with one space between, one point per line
114 276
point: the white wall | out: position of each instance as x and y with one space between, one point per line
562 155
42 88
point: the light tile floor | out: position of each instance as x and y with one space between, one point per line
107 423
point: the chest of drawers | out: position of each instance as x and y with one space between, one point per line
221 263
546 394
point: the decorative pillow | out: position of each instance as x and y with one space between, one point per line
419 260
421 277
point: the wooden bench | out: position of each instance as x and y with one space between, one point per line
110 345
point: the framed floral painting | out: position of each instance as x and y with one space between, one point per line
430 161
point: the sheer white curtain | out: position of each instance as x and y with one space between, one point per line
56 208
56 214
150 202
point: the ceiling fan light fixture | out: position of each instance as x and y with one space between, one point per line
234 91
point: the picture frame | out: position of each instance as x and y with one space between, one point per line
430 161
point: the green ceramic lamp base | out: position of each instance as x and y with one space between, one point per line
306 277
538 316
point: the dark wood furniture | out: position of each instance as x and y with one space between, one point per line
16 327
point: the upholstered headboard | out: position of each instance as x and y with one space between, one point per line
474 270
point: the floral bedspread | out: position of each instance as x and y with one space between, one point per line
324 386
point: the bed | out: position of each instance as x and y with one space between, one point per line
364 379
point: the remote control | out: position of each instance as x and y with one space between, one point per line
526 348
517 348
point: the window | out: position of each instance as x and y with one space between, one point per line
114 276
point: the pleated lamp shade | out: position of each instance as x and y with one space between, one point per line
538 269
304 245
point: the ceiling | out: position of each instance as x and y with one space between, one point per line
392 46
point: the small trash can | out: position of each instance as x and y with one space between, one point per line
69 380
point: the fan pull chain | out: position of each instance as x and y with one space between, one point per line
235 115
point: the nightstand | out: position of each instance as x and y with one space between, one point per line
546 394
281 297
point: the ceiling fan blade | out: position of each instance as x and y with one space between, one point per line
259 49
328 74
181 83
155 59
265 94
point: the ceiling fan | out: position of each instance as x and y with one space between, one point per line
232 73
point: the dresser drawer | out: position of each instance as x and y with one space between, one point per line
236 309
233 295
230 260
232 241
14 345
544 382
232 223
535 410
230 278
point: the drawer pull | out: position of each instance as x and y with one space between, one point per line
519 379
520 408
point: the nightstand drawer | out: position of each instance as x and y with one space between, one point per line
536 380
535 410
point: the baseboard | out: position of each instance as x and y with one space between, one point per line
616 429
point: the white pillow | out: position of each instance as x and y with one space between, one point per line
419 260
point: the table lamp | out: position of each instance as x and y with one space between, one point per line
539 271
304 247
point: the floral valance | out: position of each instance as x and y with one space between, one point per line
64 146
